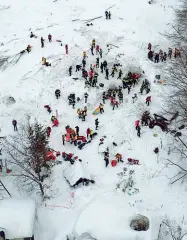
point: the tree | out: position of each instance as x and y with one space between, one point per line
172 229
25 153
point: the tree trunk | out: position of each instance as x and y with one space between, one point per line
41 189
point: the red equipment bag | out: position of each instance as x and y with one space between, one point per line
113 163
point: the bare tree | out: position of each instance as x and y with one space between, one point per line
25 153
176 70
171 229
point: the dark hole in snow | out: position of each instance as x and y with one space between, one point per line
9 100
139 223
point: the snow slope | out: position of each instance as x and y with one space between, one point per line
133 25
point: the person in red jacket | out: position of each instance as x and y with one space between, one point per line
48 131
137 124
97 49
50 38
148 100
55 122
88 131
66 47
14 123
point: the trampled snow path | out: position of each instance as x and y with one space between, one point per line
133 25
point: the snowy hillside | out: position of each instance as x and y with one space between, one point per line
101 210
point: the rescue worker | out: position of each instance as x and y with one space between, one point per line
28 48
149 46
113 72
84 55
120 74
83 63
138 131
63 139
57 93
105 64
101 67
96 123
170 53
48 108
109 15
32 35
92 50
86 97
119 157
97 62
137 124
104 97
120 95
97 49
42 42
78 68
88 132
77 130
48 131
101 108
14 123
93 43
70 70
129 88
106 14
83 116
100 52
50 37
66 48
91 134
148 100
107 73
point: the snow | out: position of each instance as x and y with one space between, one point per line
76 171
17 217
108 217
99 209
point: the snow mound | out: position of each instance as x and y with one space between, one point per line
17 217
74 172
8 100
115 217
139 223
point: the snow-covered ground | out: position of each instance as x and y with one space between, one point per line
99 208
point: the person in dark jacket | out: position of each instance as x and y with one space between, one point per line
50 37
105 64
138 131
57 93
107 73
106 14
109 15
77 130
14 123
42 42
70 70
101 67
86 97
96 123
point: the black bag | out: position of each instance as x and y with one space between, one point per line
101 85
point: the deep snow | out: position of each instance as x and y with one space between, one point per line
133 25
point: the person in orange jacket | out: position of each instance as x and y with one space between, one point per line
119 157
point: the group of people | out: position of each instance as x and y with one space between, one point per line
161 56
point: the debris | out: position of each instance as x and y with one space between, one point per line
74 20
89 20
110 7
